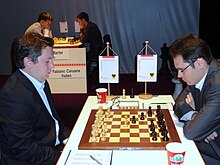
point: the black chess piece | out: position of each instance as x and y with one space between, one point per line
132 93
154 136
165 137
142 116
151 123
149 113
133 121
165 57
152 128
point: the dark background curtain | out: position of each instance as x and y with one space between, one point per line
130 23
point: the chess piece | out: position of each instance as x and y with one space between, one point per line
132 93
126 121
142 116
154 138
133 121
93 139
164 56
123 94
165 137
103 138
149 112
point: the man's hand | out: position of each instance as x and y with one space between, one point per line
190 101
211 137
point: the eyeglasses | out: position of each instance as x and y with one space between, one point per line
182 70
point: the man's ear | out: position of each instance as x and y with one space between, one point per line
27 62
201 62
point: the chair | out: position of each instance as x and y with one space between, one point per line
107 38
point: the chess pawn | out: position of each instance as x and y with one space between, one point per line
109 112
93 139
104 127
126 121
132 93
123 94
103 138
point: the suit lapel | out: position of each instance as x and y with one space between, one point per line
50 101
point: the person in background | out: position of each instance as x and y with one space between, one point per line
90 36
42 26
13 51
31 131
198 106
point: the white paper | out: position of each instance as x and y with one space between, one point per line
63 27
108 69
147 68
77 27
81 157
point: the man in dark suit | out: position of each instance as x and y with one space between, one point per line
31 132
90 36
198 106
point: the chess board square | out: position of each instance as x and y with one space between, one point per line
145 135
134 130
115 130
134 126
139 112
134 139
125 113
125 140
108 134
144 140
158 140
125 129
115 116
134 134
97 139
145 126
114 123
144 130
107 119
116 119
109 126
114 139
124 134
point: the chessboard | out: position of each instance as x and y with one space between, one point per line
131 129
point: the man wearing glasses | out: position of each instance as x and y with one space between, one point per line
42 26
198 105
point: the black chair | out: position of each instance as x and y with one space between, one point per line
107 38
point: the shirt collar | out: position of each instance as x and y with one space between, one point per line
37 84
201 82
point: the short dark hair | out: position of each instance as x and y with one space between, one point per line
191 47
30 45
45 16
83 15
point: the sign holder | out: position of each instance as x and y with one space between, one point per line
108 69
146 68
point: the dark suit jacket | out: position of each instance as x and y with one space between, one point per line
93 36
208 106
27 130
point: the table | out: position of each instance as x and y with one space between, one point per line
118 157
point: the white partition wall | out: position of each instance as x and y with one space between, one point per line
69 73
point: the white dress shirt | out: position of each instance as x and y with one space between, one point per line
188 116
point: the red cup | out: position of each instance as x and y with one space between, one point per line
175 152
101 95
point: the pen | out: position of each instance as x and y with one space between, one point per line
67 157
93 158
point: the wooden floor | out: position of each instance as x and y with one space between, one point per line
69 106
